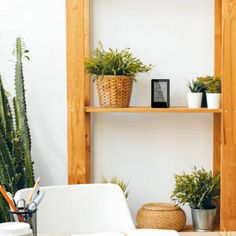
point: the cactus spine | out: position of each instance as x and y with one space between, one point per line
16 167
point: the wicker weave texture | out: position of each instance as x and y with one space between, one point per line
161 216
114 91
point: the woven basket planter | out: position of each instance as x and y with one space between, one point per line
114 91
161 216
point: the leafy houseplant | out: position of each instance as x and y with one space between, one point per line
121 183
114 72
211 84
195 95
16 167
214 93
199 189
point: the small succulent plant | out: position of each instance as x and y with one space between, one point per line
212 84
121 183
195 86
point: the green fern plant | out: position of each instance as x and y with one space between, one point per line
16 166
121 183
114 62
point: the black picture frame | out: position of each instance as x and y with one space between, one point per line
160 93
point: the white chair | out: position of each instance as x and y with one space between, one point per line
85 208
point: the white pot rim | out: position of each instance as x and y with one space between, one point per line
204 209
195 93
214 93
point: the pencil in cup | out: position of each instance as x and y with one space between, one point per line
10 202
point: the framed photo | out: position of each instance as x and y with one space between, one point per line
160 93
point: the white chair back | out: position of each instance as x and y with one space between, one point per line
85 208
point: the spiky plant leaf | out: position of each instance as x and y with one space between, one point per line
121 183
20 103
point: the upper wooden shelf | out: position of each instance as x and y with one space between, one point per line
152 110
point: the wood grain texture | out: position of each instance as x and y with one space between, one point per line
217 117
152 110
228 163
77 16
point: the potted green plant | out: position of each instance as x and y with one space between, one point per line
16 166
206 80
114 72
195 95
199 189
214 94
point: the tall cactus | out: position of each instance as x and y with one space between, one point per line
16 167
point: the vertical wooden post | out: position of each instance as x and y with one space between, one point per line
228 163
217 72
217 117
78 95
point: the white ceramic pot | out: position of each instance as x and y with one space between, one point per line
194 100
15 229
213 100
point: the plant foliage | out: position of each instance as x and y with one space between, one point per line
121 183
114 62
16 167
195 86
212 84
199 189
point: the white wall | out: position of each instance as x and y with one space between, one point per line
42 25
148 149
144 149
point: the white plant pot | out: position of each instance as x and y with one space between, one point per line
213 100
194 100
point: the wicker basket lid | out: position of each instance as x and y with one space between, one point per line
160 207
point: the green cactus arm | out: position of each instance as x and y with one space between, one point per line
4 216
28 173
6 119
21 117
7 161
5 178
2 110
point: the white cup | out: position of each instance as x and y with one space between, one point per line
15 229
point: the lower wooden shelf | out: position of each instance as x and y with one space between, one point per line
141 109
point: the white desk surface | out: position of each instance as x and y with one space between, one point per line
181 234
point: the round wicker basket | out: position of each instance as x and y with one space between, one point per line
161 216
114 91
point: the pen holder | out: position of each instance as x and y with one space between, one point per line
29 216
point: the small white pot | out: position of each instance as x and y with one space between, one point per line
213 100
194 100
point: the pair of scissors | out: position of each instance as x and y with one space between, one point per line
21 205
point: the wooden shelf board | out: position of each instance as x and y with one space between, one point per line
152 110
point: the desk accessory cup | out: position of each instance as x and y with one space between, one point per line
15 229
29 216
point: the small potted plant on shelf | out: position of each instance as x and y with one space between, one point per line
114 72
199 189
206 80
195 94
211 91
214 94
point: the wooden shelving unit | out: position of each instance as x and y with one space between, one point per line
151 110
224 125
